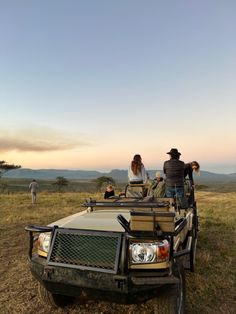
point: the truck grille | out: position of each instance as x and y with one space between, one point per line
85 250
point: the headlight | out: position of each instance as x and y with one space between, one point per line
142 253
150 252
44 240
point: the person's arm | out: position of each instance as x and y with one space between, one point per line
190 174
164 168
144 174
129 173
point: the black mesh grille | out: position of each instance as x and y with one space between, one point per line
81 249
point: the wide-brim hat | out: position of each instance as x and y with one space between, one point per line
174 152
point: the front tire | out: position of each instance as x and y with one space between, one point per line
192 257
171 299
54 300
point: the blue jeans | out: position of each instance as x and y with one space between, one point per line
172 191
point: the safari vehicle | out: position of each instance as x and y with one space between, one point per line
124 250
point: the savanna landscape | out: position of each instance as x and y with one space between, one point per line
211 289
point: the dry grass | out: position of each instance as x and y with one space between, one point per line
211 289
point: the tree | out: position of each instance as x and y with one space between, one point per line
4 167
102 181
61 183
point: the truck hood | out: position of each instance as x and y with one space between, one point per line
101 220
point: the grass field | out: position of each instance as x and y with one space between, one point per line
211 289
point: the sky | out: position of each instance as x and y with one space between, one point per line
88 84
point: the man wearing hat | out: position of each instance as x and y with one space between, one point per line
174 171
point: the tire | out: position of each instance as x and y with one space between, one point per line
54 300
171 298
192 257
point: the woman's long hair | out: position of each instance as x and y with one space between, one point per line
136 164
197 167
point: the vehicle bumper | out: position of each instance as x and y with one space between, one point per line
97 285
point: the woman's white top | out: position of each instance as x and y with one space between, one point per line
140 176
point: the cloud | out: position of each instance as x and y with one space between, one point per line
40 139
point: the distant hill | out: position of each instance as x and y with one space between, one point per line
51 174
116 174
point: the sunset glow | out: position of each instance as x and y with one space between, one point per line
87 86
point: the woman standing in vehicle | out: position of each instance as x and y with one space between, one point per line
137 173
189 168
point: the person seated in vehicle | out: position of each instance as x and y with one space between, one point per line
136 172
109 193
157 188
138 178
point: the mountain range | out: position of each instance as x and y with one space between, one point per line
116 174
